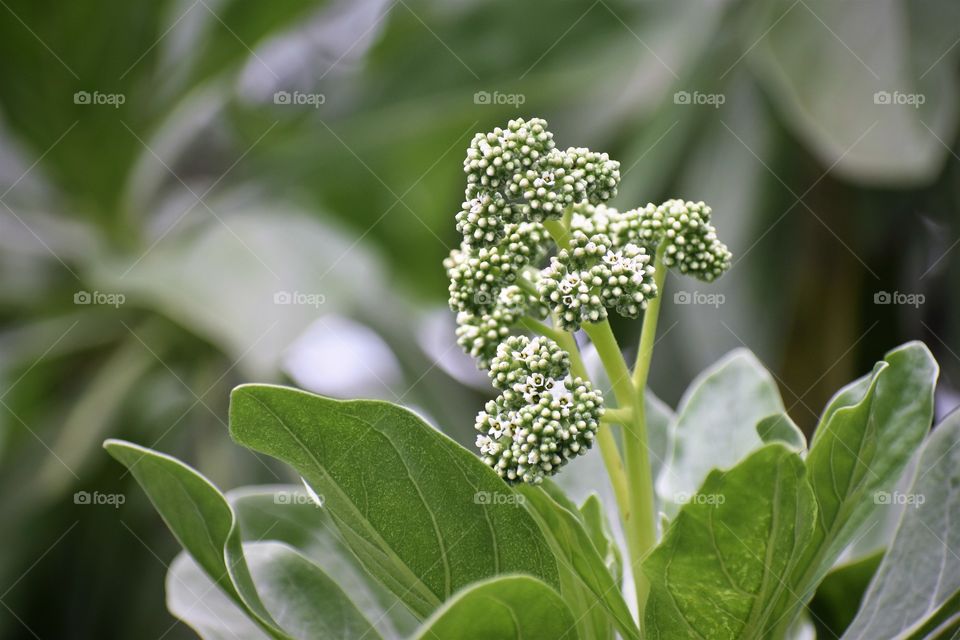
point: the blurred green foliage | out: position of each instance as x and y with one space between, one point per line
200 197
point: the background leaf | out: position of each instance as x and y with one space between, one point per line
861 448
287 514
889 54
780 428
301 597
920 573
598 528
838 597
715 425
200 518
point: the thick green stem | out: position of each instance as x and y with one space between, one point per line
617 416
640 519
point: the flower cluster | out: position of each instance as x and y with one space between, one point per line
594 274
478 275
543 418
689 239
523 197
516 179
479 334
516 174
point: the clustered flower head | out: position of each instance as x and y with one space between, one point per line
519 186
517 174
595 274
477 275
691 243
479 334
543 417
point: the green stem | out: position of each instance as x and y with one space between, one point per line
617 416
640 518
558 231
636 449
634 499
605 440
648 334
540 328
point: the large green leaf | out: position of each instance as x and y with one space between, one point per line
302 598
424 515
505 608
867 435
716 421
585 582
287 514
872 98
721 570
273 254
921 571
202 521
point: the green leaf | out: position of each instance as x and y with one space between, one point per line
722 567
585 580
272 251
839 595
715 426
301 597
286 513
921 571
504 608
202 521
872 100
598 528
195 599
861 448
423 515
779 427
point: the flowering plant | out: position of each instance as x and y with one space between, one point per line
723 521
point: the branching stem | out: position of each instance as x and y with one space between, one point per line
640 519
